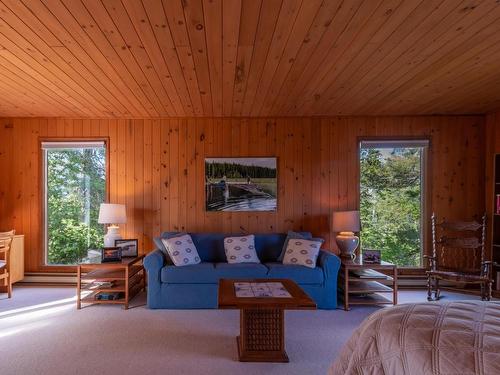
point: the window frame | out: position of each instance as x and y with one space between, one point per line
42 253
426 196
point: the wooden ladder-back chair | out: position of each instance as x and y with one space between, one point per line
5 263
458 240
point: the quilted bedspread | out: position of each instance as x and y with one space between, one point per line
461 337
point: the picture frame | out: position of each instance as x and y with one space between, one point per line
129 247
111 254
241 184
371 256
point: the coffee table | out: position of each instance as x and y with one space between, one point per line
262 325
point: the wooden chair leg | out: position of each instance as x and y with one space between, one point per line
437 291
429 288
486 291
9 286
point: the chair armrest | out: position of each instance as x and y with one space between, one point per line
330 264
153 263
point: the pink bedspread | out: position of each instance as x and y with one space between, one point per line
461 337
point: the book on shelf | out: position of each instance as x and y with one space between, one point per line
101 284
368 274
111 296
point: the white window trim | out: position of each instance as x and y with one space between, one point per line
70 145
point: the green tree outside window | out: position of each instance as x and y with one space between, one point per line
390 203
76 186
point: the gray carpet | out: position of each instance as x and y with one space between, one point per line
41 332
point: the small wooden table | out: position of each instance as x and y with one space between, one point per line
128 277
365 291
262 325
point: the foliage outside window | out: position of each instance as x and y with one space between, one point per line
75 188
391 208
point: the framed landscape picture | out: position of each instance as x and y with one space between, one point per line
129 247
241 184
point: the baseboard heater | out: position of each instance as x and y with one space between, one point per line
48 278
70 279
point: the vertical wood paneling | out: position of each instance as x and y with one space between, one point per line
492 147
157 169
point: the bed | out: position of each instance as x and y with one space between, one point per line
460 337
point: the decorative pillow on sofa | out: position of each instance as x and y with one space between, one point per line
291 235
181 250
241 249
302 252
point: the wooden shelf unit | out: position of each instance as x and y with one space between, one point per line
367 290
128 276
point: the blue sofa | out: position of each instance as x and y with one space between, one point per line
195 286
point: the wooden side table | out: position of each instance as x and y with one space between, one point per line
366 290
128 277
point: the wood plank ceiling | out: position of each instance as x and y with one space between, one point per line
152 58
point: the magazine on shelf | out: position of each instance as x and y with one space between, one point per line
101 284
368 274
261 290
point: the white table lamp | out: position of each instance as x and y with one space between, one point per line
112 214
345 223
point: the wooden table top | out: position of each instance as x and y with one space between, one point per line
299 301
358 263
125 262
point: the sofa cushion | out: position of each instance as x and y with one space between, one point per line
202 273
302 252
268 246
299 274
158 241
182 250
291 235
210 246
240 270
240 249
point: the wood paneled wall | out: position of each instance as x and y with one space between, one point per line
157 169
492 147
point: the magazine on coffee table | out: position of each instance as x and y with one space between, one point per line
261 290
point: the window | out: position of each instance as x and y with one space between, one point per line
392 175
74 187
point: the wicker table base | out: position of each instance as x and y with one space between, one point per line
262 336
262 324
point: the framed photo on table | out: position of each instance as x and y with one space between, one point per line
129 247
371 256
111 254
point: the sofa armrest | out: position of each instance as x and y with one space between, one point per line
330 264
153 263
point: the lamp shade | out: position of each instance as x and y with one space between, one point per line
346 221
110 213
